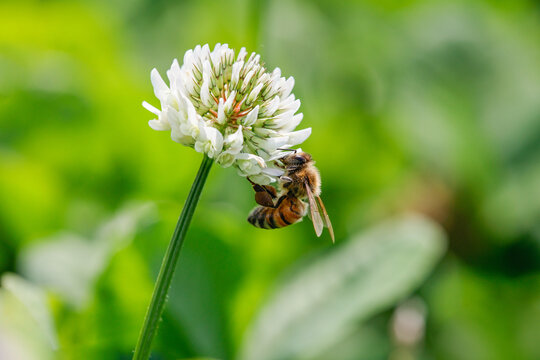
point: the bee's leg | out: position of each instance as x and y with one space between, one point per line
285 179
270 190
251 182
264 194
260 188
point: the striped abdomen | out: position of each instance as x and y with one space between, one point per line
288 210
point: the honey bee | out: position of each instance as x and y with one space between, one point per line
300 181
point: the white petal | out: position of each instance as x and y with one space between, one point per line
184 140
254 93
188 58
234 141
160 88
262 179
174 72
272 106
286 90
205 52
246 80
221 112
226 159
188 114
198 146
190 122
203 136
278 154
286 122
265 133
158 125
298 137
276 74
181 138
291 125
206 98
207 71
188 84
255 59
171 117
251 117
229 103
192 115
279 121
271 144
242 54
245 156
235 76
215 137
151 108
249 164
273 171
290 104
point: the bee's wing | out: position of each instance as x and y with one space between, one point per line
314 210
326 218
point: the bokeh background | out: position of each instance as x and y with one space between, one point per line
426 130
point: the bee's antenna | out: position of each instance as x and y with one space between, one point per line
287 149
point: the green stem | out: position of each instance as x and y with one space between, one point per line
166 272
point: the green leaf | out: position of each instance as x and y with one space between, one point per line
69 264
357 279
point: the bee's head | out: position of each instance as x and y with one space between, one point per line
297 158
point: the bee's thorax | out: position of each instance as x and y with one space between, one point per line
300 176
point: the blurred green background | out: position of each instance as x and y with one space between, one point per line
422 107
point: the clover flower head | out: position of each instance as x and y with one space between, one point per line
230 108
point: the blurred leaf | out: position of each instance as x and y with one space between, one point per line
26 325
66 264
69 264
365 343
318 305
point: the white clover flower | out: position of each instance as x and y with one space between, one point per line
229 108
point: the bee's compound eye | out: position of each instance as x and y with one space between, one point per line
299 159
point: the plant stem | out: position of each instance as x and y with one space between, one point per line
166 272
